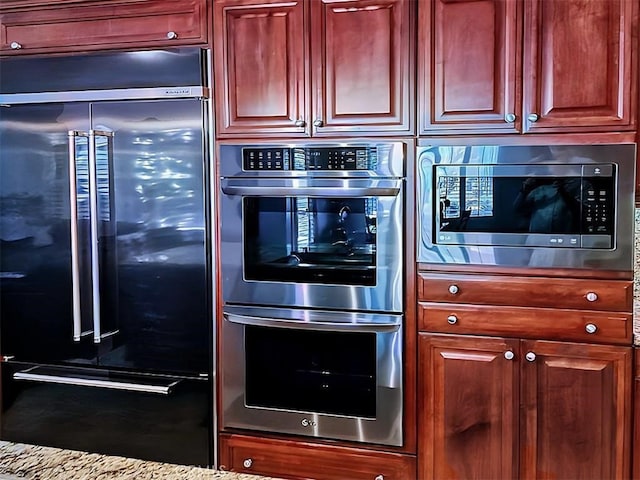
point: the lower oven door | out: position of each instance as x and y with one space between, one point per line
334 375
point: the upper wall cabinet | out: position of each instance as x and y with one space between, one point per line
64 26
314 67
569 69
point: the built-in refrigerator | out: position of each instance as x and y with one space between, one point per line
105 254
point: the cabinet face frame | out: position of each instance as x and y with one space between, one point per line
549 396
612 106
445 35
343 51
56 27
459 408
283 79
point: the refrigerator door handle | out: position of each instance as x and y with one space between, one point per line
94 235
31 375
75 249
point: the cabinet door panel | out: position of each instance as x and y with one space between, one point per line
578 71
467 55
96 25
468 407
260 68
362 54
577 420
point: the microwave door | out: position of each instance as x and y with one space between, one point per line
43 248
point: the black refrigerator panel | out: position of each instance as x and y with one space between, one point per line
102 231
36 284
158 308
160 418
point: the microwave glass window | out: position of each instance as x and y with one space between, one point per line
311 371
524 204
310 240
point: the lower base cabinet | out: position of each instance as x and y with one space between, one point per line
306 460
508 408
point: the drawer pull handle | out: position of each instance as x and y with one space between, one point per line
591 328
453 289
172 35
530 356
509 355
247 463
591 296
452 319
15 46
379 477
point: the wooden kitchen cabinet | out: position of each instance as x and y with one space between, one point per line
66 26
635 457
575 418
302 68
568 69
304 460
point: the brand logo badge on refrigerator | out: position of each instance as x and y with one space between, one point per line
308 423
177 91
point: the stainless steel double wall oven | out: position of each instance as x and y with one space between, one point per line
313 286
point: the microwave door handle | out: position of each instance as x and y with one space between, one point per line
312 325
75 249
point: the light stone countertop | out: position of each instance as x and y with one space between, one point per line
18 461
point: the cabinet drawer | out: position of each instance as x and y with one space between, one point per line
94 25
524 322
304 460
609 295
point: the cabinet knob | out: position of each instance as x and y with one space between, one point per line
247 462
533 117
318 123
509 355
15 46
530 356
452 319
453 289
591 328
591 296
172 35
379 477
510 117
300 123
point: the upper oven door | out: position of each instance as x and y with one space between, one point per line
313 242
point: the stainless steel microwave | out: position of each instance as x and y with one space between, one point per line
561 206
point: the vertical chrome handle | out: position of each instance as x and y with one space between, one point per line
75 251
93 222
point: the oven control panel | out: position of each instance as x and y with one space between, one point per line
309 158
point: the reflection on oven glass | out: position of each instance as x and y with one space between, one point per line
317 240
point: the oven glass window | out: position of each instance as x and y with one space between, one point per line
310 240
311 371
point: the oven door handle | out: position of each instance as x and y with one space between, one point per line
312 325
327 188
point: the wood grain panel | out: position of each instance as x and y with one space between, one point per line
260 68
576 401
612 295
467 59
551 323
362 66
468 408
96 25
579 71
306 460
